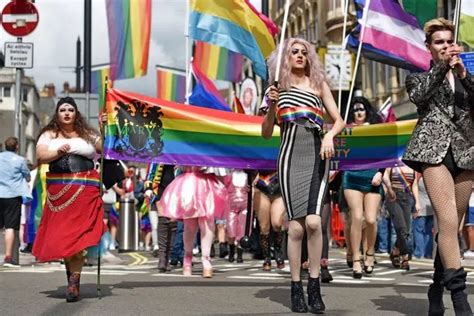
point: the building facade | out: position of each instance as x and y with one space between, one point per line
321 23
29 105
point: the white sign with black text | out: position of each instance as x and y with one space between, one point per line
18 55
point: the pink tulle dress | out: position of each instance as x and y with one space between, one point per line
193 194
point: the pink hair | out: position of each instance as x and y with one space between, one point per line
314 69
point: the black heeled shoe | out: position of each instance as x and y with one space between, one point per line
315 301
357 274
349 260
405 265
298 303
369 269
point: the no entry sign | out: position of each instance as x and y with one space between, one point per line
19 18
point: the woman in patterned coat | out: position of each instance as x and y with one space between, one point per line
442 149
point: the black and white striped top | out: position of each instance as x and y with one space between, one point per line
297 105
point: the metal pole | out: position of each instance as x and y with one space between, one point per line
78 65
282 39
265 9
341 55
87 53
359 51
457 17
18 114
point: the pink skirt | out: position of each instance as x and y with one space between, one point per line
194 194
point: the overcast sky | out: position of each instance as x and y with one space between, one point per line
62 22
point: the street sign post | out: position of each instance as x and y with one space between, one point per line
18 55
19 18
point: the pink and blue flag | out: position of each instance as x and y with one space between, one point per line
392 36
205 93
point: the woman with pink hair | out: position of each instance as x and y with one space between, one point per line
297 105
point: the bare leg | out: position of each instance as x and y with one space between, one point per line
355 201
9 239
295 238
206 226
189 235
372 203
315 244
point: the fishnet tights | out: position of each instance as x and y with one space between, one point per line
448 194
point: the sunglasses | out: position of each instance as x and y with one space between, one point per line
359 110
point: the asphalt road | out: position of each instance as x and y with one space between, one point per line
131 285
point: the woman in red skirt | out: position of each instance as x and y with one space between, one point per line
72 217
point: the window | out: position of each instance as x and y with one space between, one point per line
7 92
24 95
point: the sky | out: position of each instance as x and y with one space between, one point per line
62 22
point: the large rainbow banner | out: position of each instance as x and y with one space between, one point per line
146 129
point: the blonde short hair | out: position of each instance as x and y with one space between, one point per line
435 25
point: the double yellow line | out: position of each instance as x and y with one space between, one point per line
139 259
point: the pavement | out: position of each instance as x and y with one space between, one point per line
132 285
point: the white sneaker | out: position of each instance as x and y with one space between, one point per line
195 251
469 254
147 248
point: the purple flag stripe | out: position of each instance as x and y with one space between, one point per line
393 9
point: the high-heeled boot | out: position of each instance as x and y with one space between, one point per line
436 289
240 253
231 252
455 281
172 227
163 224
315 301
278 252
265 246
72 292
298 303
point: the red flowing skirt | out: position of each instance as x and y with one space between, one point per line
72 218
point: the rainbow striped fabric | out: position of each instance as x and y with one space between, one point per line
73 179
171 85
293 113
235 25
218 62
129 24
98 83
187 135
37 204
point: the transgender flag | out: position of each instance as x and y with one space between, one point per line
392 36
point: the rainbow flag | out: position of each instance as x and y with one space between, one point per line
129 23
171 85
37 204
235 25
146 129
218 63
98 83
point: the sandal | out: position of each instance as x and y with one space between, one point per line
369 269
395 260
357 274
349 260
405 264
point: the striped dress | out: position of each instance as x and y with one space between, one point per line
303 175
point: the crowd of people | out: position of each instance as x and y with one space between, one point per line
412 210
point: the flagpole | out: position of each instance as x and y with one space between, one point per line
385 104
359 51
457 16
343 47
282 38
101 182
188 55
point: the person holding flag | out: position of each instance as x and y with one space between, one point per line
442 149
297 105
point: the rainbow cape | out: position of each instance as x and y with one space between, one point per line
146 129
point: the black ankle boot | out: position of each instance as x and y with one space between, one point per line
436 289
223 250
455 281
298 304
240 253
231 253
315 301
326 276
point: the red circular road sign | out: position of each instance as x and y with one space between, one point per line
19 18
